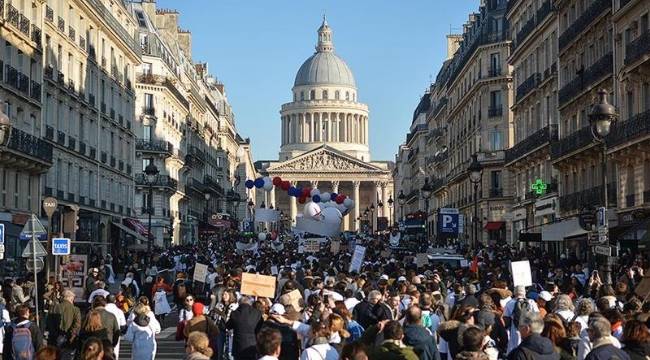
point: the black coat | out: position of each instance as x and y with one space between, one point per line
637 351
535 347
245 323
290 349
423 343
382 312
363 314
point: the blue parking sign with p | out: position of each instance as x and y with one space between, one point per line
448 223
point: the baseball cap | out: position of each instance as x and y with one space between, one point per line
278 309
545 295
383 277
401 278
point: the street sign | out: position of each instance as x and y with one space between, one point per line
2 233
448 211
603 250
448 223
60 246
402 227
603 235
49 205
587 219
33 227
39 250
39 265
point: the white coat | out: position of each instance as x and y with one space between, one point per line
161 305
143 340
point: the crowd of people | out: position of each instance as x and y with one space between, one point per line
391 307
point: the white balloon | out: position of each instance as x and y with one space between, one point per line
261 236
324 205
314 192
349 203
268 186
343 209
325 197
312 211
332 216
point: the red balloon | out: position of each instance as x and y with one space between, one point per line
277 181
285 185
302 200
306 192
340 199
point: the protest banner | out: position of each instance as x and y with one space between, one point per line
521 274
73 270
357 258
258 285
311 245
200 272
266 215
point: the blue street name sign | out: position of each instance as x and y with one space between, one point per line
60 246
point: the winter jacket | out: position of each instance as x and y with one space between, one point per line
450 331
604 349
143 339
423 343
64 319
197 356
637 351
109 321
37 337
320 352
390 350
203 324
534 347
471 355
290 348
245 322
363 314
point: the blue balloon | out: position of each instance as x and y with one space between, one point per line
315 198
249 184
259 183
292 191
333 196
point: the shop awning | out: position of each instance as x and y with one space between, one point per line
530 237
560 230
127 230
136 225
494 225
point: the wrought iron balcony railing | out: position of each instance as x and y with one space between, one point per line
495 111
587 198
575 141
61 24
49 14
586 78
594 10
31 145
630 129
159 146
528 85
36 36
637 48
534 141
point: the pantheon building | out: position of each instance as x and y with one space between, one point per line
325 140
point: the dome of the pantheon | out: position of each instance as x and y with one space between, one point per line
324 67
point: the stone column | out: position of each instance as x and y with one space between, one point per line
375 195
357 203
384 199
293 209
335 186
272 198
314 184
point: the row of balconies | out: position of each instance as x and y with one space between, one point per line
588 198
528 86
537 139
164 181
638 48
541 15
594 10
87 201
156 146
159 80
586 78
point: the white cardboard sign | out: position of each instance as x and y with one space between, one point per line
266 215
357 258
200 272
521 273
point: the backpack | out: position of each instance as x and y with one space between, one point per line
522 307
21 342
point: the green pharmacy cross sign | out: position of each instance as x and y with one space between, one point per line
539 187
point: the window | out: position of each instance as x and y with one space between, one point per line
495 64
495 99
302 96
325 95
337 95
146 136
496 142
312 95
148 101
630 103
146 68
145 162
645 94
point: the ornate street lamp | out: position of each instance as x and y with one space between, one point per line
401 198
151 173
5 128
475 170
602 116
390 208
426 190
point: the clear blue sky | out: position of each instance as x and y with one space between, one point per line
255 48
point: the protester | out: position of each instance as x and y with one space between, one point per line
533 345
93 349
23 338
602 348
142 336
269 344
415 335
245 322
198 346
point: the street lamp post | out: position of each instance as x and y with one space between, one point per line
390 210
475 175
426 191
372 218
207 205
401 198
151 172
601 117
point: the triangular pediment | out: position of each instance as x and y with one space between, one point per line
324 159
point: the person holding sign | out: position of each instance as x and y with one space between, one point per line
245 322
